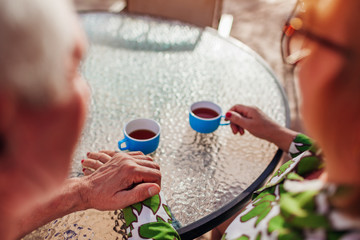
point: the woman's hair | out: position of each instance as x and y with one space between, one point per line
36 39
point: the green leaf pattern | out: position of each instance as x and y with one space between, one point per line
150 219
300 144
276 212
287 207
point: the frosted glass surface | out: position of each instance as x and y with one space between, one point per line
144 67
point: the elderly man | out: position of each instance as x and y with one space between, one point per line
43 103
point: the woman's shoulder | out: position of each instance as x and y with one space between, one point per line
306 158
296 209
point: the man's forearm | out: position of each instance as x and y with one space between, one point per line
65 201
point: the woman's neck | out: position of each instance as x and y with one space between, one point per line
346 199
343 169
344 172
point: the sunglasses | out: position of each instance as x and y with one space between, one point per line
295 37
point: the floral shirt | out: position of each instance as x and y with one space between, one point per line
287 207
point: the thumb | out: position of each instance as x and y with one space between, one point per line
142 192
237 119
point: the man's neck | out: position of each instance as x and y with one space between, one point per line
6 226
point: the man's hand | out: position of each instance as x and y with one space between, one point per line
116 180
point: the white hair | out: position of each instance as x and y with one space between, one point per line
36 38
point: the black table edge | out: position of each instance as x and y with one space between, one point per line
212 220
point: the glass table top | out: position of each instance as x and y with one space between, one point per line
143 67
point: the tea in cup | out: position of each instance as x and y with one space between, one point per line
141 135
205 117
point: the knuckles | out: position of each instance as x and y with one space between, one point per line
138 153
130 168
158 175
157 166
120 156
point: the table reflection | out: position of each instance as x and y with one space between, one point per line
145 67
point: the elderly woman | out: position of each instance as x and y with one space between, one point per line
315 195
43 103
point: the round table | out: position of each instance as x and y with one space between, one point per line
143 67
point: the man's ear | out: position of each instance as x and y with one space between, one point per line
7 108
7 115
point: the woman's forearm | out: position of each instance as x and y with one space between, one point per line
282 137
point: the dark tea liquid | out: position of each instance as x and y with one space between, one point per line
142 134
205 113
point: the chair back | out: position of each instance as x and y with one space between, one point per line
201 13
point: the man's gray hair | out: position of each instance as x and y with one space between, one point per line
36 40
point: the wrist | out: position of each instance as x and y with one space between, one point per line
283 137
63 201
78 191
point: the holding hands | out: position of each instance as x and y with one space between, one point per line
116 180
112 181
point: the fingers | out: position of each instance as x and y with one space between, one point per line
141 174
87 171
106 155
143 160
139 158
97 159
234 128
139 193
112 153
140 168
142 157
100 156
91 163
238 122
241 131
125 179
149 164
135 155
237 129
241 109
138 153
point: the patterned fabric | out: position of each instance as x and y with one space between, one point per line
287 207
150 219
290 207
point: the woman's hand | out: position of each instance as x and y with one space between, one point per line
116 180
252 119
258 124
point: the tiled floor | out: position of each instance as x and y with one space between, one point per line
258 23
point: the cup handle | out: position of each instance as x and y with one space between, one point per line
226 123
120 143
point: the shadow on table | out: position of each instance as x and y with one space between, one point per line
141 33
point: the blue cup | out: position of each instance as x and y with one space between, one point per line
205 124
140 142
